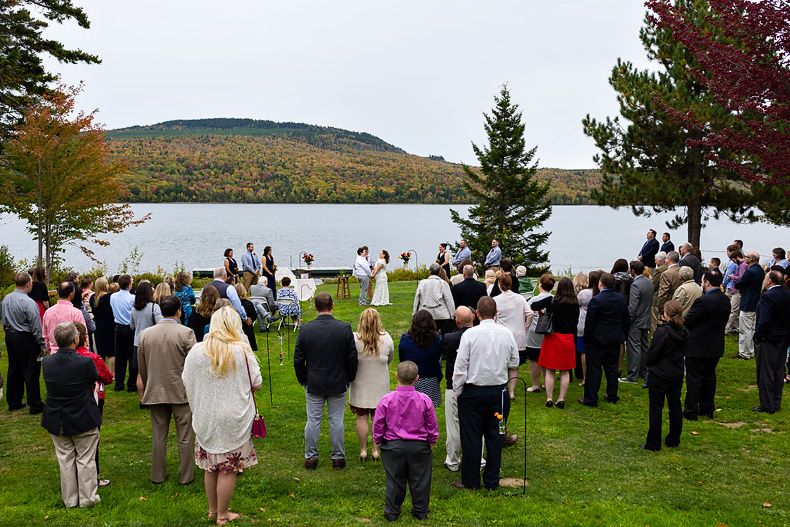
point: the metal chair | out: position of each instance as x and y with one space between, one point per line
284 320
262 309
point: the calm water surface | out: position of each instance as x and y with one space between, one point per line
583 237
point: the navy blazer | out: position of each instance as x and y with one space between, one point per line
668 246
449 348
773 318
750 285
325 357
70 408
649 252
706 321
608 321
467 292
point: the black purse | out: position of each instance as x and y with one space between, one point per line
545 324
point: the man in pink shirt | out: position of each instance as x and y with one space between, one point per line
405 426
63 311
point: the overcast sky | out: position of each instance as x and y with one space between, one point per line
417 74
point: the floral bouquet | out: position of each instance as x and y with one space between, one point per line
405 257
308 258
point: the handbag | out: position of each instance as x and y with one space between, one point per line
258 422
545 325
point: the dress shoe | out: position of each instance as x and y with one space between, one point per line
509 440
625 380
560 405
310 464
644 447
339 464
581 401
549 403
15 408
606 398
690 417
761 409
160 482
118 388
458 485
35 411
533 390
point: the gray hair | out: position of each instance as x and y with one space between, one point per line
686 273
219 272
65 333
661 256
673 256
434 268
265 280
469 270
754 256
521 271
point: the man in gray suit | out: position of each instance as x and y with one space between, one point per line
265 314
640 302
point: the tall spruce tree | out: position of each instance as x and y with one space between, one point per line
511 203
653 164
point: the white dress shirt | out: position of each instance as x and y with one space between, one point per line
484 356
361 266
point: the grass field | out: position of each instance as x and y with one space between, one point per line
583 464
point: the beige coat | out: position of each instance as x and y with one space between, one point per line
686 294
161 353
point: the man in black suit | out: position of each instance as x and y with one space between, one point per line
469 291
705 321
325 362
771 338
689 260
72 417
605 328
667 245
649 250
464 317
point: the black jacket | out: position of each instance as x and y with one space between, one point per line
449 348
773 318
564 317
706 321
496 291
750 284
666 351
608 321
325 357
468 292
70 408
692 261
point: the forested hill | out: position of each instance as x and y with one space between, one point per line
250 161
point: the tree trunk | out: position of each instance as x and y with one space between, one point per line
694 207
40 241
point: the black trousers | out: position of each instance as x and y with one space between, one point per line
124 354
700 387
24 371
770 362
477 406
601 361
661 388
407 461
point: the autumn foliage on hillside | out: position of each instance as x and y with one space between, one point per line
293 165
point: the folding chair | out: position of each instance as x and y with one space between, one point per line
284 320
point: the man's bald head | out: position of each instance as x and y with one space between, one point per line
469 271
464 316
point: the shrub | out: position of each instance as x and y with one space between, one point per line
7 267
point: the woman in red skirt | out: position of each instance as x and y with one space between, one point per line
558 351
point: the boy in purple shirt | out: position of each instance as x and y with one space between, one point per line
405 426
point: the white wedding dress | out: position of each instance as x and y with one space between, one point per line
381 294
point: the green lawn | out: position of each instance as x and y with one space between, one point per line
583 464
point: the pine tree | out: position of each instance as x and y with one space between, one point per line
653 163
511 203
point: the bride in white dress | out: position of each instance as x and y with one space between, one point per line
381 294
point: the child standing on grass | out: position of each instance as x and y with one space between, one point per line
405 426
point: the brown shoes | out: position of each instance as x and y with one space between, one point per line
310 464
339 464
458 485
509 440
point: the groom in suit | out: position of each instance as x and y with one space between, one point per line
362 272
649 250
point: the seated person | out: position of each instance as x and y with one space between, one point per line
289 310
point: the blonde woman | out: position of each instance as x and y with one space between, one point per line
161 291
105 322
220 375
375 350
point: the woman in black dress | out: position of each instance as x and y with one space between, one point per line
231 267
105 322
443 259
252 315
39 293
267 269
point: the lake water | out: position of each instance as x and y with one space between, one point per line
583 237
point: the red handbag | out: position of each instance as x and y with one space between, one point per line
258 423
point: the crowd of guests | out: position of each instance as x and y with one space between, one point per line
663 323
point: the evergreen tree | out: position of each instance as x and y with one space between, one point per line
655 164
511 203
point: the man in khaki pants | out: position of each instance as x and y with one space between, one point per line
161 353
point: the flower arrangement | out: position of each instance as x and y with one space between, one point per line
308 258
405 257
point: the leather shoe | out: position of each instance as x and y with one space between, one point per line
761 409
339 464
23 405
310 464
560 405
644 447
606 398
580 400
458 485
509 440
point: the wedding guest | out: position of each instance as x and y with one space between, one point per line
655 277
443 259
405 425
506 268
184 292
146 313
289 310
459 276
534 340
231 266
248 325
772 337
220 376
63 311
421 345
362 273
688 291
71 416
162 290
434 295
105 378
105 323
558 349
469 291
777 258
122 303
524 283
490 278
750 283
375 351
268 268
74 279
201 316
381 293
622 286
39 292
583 297
514 313
665 360
87 291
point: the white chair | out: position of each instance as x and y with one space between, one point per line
285 320
262 309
